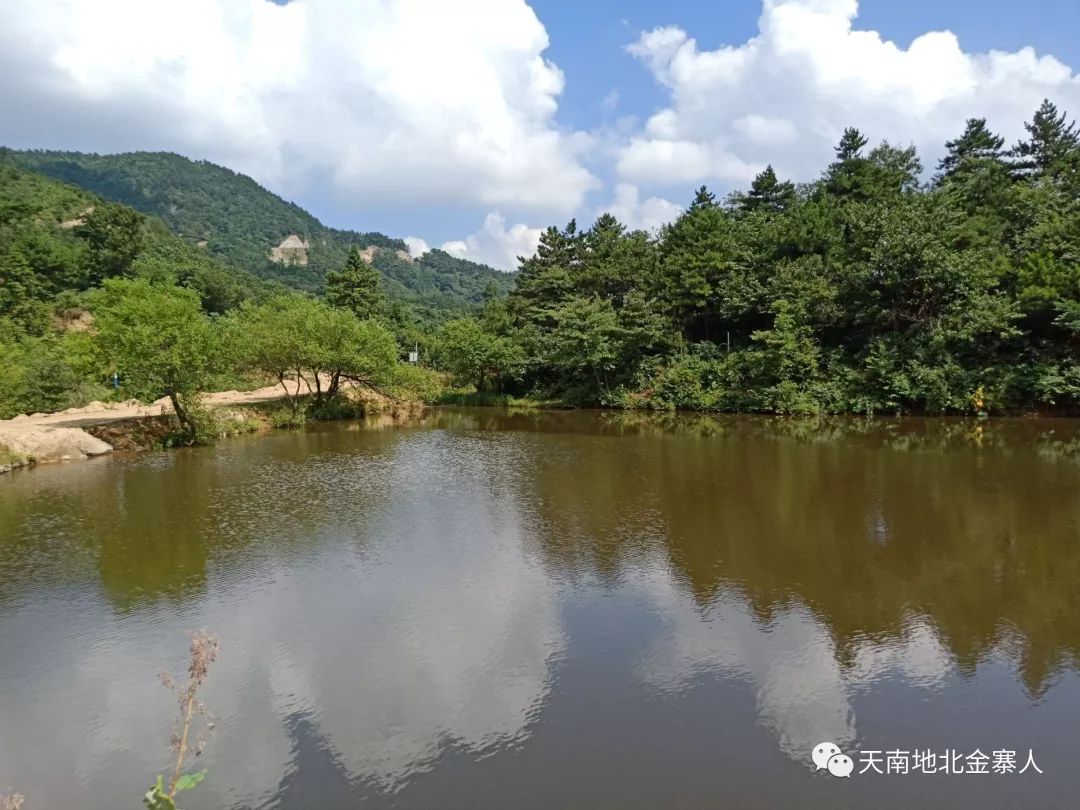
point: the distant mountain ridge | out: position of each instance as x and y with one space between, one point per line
242 224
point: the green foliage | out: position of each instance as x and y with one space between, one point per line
867 291
289 418
356 288
476 356
48 373
414 383
158 799
236 222
161 343
312 348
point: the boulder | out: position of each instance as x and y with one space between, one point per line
48 444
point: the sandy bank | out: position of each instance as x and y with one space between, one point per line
43 438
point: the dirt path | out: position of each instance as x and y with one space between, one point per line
100 413
59 436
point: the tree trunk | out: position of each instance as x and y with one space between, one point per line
335 384
288 396
182 416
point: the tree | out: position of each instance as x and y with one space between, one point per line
846 176
767 195
474 354
1053 145
356 287
546 277
892 170
160 342
349 350
971 152
978 179
114 236
291 335
585 343
694 252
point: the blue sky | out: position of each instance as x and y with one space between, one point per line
471 125
588 38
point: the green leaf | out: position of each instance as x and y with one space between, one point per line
190 780
157 799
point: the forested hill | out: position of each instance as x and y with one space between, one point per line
58 241
238 221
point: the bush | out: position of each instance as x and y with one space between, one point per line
287 418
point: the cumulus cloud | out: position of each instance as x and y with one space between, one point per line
803 694
784 96
496 244
387 100
417 247
633 212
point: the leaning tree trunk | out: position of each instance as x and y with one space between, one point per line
182 414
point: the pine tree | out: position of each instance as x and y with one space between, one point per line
852 142
696 249
356 288
703 199
892 170
971 151
767 194
846 176
978 178
544 278
1053 145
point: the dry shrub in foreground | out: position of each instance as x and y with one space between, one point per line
189 735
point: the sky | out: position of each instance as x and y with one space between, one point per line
472 125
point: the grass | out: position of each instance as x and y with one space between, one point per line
9 458
491 399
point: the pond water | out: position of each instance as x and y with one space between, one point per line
555 610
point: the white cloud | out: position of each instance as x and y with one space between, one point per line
784 96
803 694
417 247
632 211
391 101
495 244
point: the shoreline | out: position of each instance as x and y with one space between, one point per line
100 428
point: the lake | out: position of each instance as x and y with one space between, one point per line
484 609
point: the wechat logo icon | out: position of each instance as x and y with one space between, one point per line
828 755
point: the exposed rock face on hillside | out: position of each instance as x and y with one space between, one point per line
292 250
68 224
369 253
73 320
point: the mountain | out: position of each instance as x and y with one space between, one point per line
234 219
58 240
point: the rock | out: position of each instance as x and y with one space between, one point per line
47 444
68 224
292 250
73 320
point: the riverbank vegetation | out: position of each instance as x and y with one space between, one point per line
871 290
99 302
874 289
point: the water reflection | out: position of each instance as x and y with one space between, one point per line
515 600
